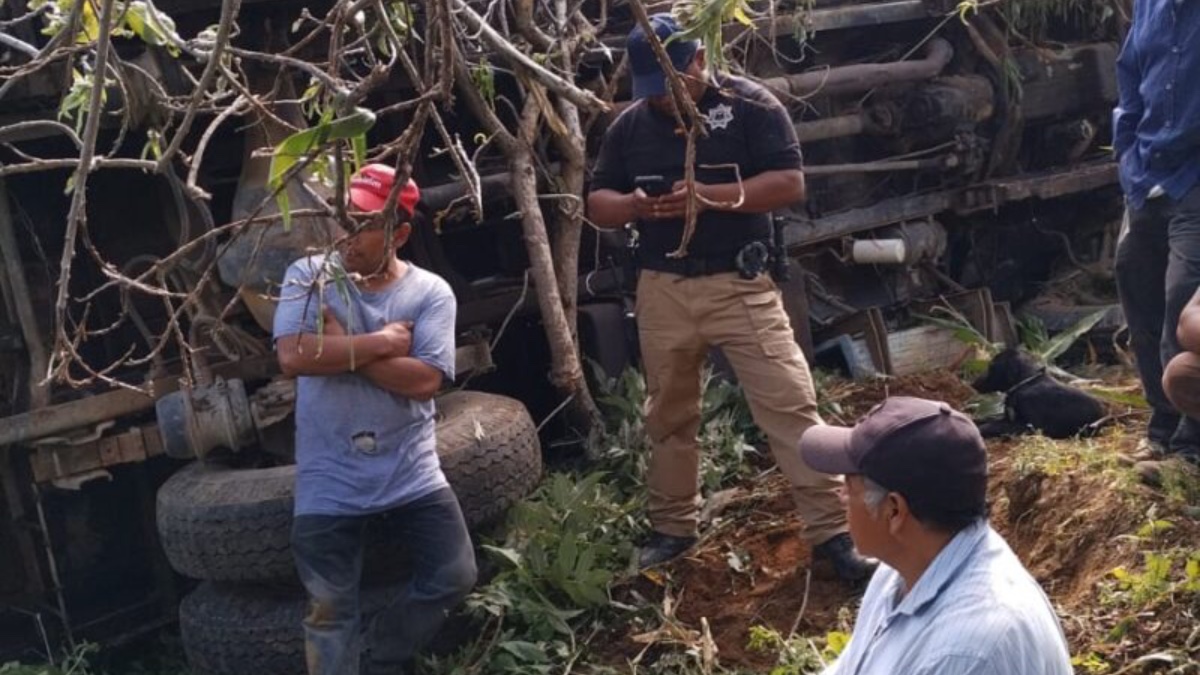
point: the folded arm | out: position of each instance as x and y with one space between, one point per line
396 371
330 354
405 375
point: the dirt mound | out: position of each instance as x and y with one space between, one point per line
750 569
856 398
1069 509
757 573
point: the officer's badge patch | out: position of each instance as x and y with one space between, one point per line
719 116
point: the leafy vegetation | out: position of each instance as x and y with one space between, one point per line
705 20
1038 454
300 145
568 544
797 655
1160 577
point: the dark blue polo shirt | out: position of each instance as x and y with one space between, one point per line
1156 128
746 126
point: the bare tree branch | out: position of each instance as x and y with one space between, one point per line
77 215
580 97
229 10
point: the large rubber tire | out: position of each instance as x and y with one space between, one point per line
224 524
251 630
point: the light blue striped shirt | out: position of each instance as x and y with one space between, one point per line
975 611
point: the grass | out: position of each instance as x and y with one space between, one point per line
1099 456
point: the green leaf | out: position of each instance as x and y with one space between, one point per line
526 652
1154 527
836 641
485 81
302 144
958 324
152 27
89 25
508 555
1059 344
359 146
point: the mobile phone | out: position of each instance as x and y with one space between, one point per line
653 186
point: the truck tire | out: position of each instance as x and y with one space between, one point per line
220 523
490 453
251 630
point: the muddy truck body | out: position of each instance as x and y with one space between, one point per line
947 161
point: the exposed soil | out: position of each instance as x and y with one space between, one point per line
1070 524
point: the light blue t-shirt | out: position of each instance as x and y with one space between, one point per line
359 448
974 611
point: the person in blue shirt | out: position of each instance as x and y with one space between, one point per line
1156 138
370 339
950 597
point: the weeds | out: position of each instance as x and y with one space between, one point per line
1038 454
1156 581
797 655
727 432
74 662
1180 483
1091 663
568 543
1047 349
564 547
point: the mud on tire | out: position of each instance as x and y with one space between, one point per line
223 524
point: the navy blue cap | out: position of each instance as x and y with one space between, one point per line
648 77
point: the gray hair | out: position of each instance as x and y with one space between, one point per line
873 495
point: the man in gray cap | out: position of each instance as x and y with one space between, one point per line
950 597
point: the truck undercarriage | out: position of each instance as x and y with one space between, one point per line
948 161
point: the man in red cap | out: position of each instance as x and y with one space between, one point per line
369 354
950 597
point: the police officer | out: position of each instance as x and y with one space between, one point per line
718 294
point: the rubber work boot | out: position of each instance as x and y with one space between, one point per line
847 563
661 548
1146 450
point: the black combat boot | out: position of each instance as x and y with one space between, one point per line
661 548
847 563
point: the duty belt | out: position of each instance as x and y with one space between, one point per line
690 266
749 262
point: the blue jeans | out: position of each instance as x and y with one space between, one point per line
1158 271
329 558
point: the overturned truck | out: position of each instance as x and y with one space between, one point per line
952 157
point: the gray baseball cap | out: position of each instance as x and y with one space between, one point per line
925 450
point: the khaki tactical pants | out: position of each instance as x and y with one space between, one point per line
679 318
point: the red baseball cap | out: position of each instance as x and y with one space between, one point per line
925 450
369 189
